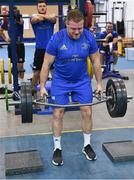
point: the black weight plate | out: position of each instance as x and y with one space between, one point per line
123 107
23 103
29 102
114 105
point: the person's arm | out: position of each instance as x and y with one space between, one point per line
112 38
4 35
95 59
42 17
115 40
48 60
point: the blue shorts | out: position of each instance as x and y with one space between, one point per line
62 92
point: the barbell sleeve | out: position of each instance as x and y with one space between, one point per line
13 103
129 97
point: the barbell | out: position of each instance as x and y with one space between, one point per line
115 97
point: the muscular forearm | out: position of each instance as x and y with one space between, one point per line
48 60
37 18
97 67
98 72
4 36
44 75
51 18
41 17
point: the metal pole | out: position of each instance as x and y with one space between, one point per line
12 33
60 11
81 5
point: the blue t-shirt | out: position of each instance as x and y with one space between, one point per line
71 55
103 34
43 31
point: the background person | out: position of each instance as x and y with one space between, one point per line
3 35
5 13
43 27
19 24
89 21
4 25
110 36
69 49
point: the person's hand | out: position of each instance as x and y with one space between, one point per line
99 89
43 92
109 37
52 15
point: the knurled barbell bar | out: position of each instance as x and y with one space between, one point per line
116 100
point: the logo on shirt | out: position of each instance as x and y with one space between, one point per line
63 47
84 46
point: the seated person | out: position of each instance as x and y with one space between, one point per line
110 38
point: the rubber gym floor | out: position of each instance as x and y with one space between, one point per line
15 136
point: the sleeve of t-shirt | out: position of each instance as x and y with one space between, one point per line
115 34
101 35
52 45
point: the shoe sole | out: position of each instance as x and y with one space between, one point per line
57 164
88 156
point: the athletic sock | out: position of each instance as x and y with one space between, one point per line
57 142
86 139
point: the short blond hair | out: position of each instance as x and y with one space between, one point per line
76 15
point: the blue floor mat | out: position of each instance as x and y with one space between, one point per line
76 166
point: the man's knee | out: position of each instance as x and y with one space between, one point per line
86 111
58 113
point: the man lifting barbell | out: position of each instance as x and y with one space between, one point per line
69 49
